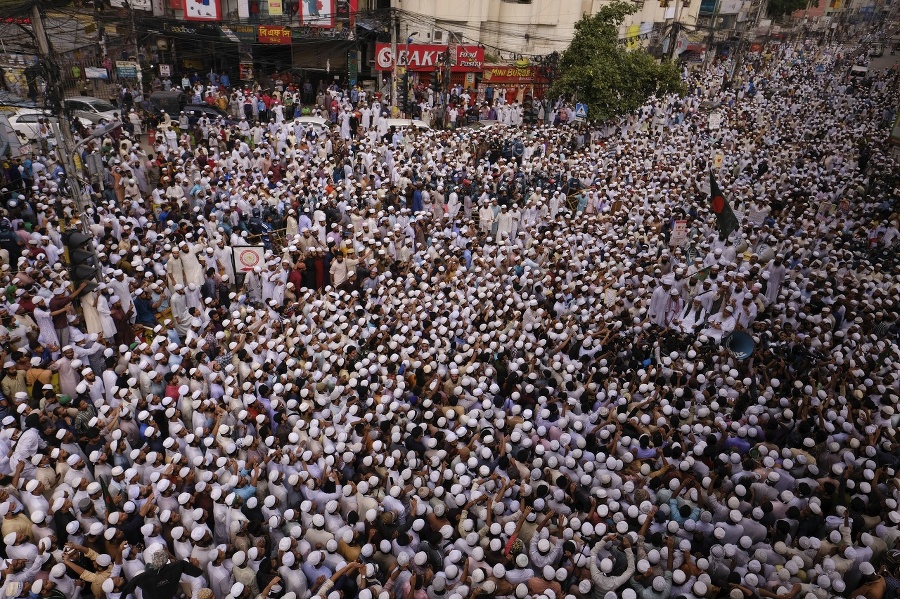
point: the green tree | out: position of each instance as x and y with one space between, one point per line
611 79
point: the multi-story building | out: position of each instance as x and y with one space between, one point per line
516 37
528 27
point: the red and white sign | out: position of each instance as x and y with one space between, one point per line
427 57
469 59
201 10
248 257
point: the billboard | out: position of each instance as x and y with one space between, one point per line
427 57
135 4
202 10
317 13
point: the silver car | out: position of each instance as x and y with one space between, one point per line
94 110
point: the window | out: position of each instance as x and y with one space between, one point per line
101 106
28 118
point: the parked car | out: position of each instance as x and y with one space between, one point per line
171 102
195 112
316 123
94 110
25 123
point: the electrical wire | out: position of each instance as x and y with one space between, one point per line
497 29
494 28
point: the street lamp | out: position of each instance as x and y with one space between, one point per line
409 40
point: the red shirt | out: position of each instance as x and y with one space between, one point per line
60 321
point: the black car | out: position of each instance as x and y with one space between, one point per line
195 111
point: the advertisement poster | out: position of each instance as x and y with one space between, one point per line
317 13
246 71
202 10
275 8
96 73
134 4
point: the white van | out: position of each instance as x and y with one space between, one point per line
858 72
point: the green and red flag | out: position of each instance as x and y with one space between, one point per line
725 218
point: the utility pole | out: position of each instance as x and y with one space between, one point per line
395 33
711 37
740 53
676 28
137 50
65 147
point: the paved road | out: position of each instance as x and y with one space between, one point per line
884 62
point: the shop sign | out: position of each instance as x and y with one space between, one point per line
428 57
274 35
511 74
126 69
469 59
243 33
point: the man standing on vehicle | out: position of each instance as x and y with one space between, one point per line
161 578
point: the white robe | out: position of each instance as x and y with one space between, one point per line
91 317
691 319
504 224
193 270
180 314
106 320
175 269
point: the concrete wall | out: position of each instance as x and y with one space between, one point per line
536 27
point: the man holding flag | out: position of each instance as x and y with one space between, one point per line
725 218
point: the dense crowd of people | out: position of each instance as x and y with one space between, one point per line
474 363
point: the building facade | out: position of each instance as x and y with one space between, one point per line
528 27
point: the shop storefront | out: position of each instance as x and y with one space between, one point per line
513 82
233 49
427 61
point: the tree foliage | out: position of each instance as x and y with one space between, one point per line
611 79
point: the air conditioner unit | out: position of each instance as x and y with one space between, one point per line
438 37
